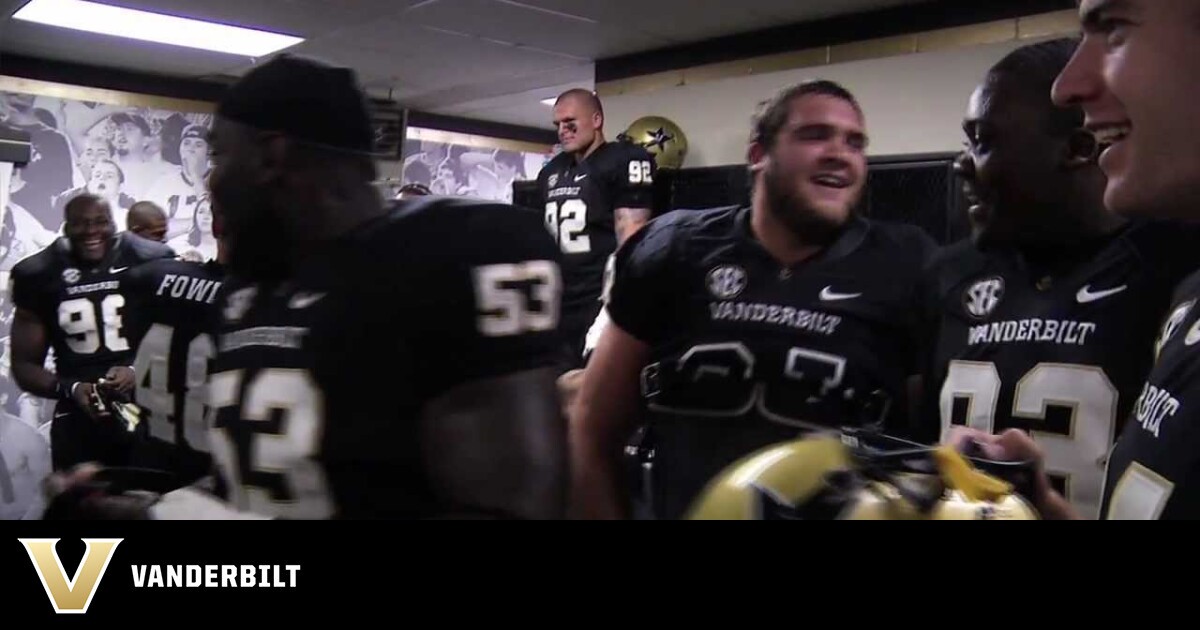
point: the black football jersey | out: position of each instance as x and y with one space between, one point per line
1060 355
319 382
1154 471
580 199
172 315
747 353
83 308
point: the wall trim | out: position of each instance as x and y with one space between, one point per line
100 95
475 141
472 127
930 27
113 79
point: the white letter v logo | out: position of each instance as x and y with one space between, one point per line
74 596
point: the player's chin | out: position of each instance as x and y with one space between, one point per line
1148 195
831 210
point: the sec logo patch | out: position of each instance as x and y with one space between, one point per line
726 282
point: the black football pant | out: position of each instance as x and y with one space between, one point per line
76 438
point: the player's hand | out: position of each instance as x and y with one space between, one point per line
75 495
1010 446
85 398
121 379
1014 445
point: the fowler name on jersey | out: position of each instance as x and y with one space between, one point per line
189 288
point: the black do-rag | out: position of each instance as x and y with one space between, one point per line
304 99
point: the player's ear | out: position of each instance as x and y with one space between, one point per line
1081 149
757 157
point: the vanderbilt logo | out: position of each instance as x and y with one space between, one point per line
74 595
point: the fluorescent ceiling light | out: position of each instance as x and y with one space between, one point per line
154 27
549 101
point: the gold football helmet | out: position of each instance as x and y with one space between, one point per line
661 137
848 478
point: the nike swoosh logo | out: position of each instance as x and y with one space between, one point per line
580 178
304 300
1086 294
116 269
827 295
61 415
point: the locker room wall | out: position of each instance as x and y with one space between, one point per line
913 103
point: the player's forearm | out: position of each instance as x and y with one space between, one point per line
627 221
595 451
35 379
594 494
1053 506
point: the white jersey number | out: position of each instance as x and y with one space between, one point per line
290 453
85 327
503 308
151 370
567 222
640 172
1080 453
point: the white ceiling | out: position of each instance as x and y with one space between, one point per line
486 59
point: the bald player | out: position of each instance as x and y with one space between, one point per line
595 195
147 220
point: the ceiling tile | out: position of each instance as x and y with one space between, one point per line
673 20
529 26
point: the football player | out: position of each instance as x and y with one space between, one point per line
370 362
595 194
1135 76
68 297
172 306
1045 321
742 327
147 220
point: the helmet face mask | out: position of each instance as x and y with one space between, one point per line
864 476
